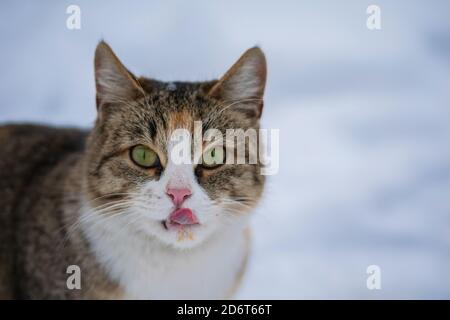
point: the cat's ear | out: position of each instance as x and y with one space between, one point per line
243 84
113 81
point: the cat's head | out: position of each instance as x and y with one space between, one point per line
130 171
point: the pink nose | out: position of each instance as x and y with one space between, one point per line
178 195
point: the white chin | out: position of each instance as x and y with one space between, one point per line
182 237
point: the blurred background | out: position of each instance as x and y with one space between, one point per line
364 119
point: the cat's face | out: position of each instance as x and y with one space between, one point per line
130 169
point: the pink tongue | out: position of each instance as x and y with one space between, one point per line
183 216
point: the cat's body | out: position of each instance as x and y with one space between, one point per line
71 197
36 163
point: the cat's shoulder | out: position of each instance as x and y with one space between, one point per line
9 133
26 147
19 140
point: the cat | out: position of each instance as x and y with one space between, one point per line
112 203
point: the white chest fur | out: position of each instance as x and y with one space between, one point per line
147 269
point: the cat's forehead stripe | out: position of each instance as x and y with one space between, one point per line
181 119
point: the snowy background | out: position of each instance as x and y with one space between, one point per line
364 119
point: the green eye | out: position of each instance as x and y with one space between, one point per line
144 156
213 157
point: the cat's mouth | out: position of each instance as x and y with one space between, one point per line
179 219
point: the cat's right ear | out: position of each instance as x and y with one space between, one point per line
242 86
114 83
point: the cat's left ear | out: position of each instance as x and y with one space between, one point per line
243 84
113 81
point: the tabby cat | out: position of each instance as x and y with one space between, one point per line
111 205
